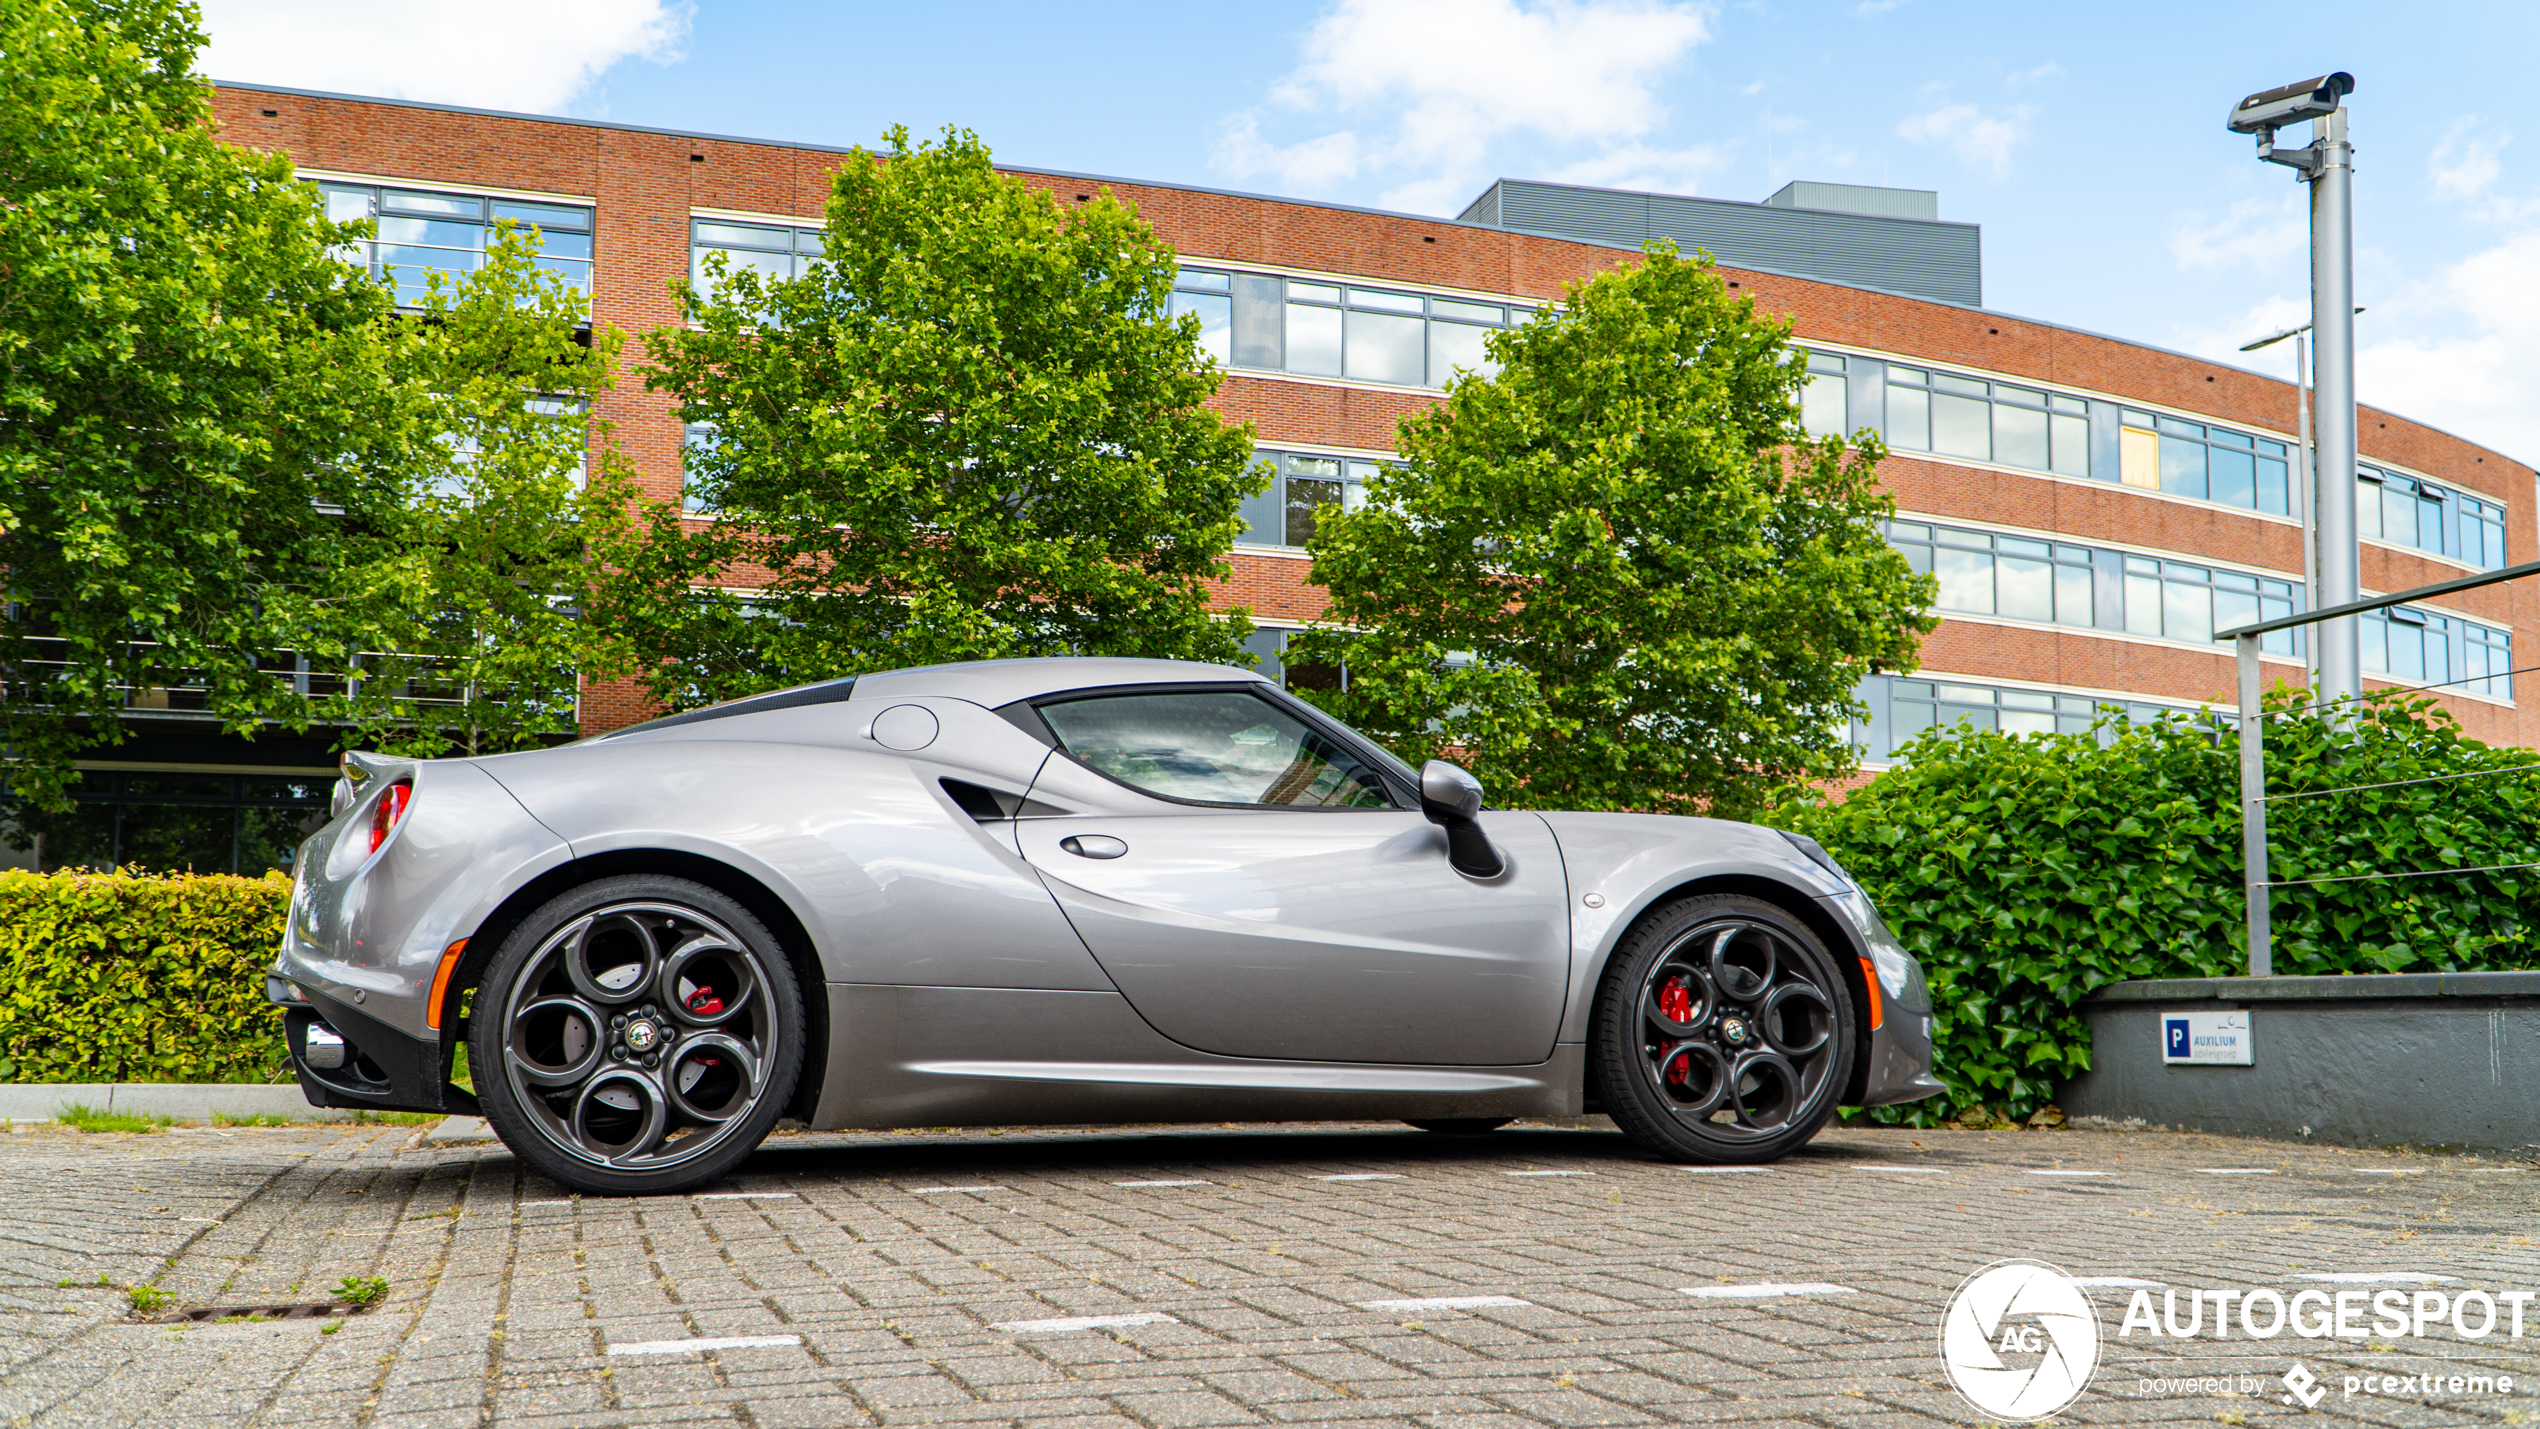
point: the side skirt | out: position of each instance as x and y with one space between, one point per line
957 1056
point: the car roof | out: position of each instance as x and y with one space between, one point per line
986 682
1002 682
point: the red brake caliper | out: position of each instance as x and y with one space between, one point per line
1675 1001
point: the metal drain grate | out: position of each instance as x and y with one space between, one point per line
322 1311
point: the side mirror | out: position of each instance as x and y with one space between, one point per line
1452 799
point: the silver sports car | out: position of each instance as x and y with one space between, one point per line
1073 890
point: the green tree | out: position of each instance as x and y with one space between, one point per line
2028 871
1617 574
970 432
468 617
199 406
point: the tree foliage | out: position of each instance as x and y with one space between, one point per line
468 618
197 406
970 431
2029 871
235 480
1617 574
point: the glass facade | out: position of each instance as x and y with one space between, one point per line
1271 323
2060 583
773 250
2421 647
1268 646
1302 486
1902 708
2207 462
172 822
435 230
1949 415
2406 511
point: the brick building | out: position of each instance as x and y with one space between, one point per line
2094 508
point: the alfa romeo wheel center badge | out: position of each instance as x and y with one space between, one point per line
642 1035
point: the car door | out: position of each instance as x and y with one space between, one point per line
1255 887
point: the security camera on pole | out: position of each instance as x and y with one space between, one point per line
2327 165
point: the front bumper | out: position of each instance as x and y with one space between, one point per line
1897 1064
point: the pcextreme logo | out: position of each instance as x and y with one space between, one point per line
2020 1340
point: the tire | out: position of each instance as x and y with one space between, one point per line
1462 1125
637 1035
1723 1032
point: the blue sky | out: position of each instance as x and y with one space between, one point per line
2088 141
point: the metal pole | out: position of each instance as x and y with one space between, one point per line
2333 367
2307 483
2253 813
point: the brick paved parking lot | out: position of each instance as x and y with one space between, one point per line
1177 1277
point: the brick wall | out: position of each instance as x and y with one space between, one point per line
646 184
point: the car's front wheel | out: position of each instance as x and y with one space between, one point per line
1722 1031
636 1035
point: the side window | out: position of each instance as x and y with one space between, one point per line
1214 747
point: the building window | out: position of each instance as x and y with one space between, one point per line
1302 486
2419 647
1268 646
776 251
1901 709
1825 403
2058 583
173 823
2405 511
435 231
1949 415
695 439
2207 462
1383 335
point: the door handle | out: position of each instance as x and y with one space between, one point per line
1094 845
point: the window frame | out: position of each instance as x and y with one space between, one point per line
1205 278
1401 785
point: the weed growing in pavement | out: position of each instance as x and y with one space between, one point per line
222 1118
362 1290
88 1118
396 1118
330 1327
148 1299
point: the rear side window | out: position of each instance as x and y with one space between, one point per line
1214 747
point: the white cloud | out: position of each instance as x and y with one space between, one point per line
1980 140
2471 380
1432 85
2464 164
2260 232
1876 7
534 55
1637 166
2039 75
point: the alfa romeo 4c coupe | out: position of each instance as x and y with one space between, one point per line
1060 891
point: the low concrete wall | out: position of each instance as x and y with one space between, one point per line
189 1101
2421 1059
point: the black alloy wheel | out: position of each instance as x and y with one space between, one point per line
1722 1031
637 1035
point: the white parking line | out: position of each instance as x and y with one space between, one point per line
525 1205
2035 1172
1908 1170
1445 1302
1159 1183
743 1196
1360 1176
947 1190
2236 1170
2378 1277
2386 1171
1765 1292
1719 1170
1547 1173
1083 1322
2496 1170
2117 1282
722 1342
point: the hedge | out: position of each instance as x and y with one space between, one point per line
2028 871
131 977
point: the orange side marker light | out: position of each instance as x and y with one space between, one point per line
450 964
1869 979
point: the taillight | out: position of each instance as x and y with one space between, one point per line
390 808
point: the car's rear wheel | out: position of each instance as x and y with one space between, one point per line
638 1034
1722 1031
